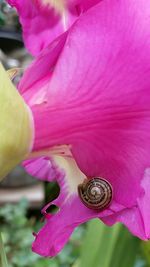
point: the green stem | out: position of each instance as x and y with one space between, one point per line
2 253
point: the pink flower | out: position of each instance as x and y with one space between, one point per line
42 23
89 92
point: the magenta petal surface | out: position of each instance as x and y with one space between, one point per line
136 219
104 104
58 227
41 26
41 23
42 168
34 85
97 101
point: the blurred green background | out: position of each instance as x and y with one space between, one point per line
92 244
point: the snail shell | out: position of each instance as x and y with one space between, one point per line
95 193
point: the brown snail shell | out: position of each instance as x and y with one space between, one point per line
95 193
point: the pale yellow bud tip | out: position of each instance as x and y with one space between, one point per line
16 125
58 5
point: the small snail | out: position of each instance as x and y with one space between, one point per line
95 193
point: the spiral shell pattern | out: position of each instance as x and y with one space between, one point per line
95 193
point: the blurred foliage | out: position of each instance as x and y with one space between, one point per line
2 15
92 244
105 246
108 246
3 258
146 252
8 16
52 191
2 18
17 231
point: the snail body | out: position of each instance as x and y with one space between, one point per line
95 193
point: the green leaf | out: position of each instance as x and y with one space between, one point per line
108 246
2 253
146 251
2 18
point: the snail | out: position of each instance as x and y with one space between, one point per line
95 193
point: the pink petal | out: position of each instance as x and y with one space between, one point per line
55 234
103 103
42 75
143 203
58 228
41 168
136 219
42 24
72 213
83 4
97 100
